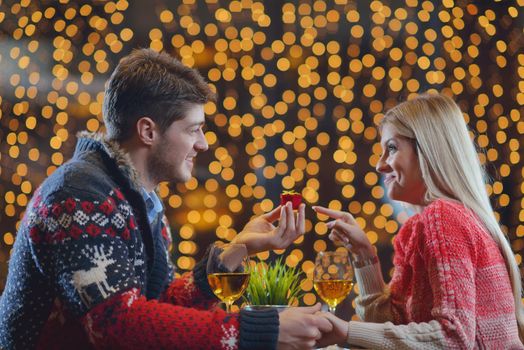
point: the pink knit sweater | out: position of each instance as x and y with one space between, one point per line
450 288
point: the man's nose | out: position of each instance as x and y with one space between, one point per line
201 145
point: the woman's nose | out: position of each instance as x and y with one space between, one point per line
382 165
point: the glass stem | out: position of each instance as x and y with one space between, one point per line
332 309
228 307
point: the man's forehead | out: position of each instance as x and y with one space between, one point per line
194 114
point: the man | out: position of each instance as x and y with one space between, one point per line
90 266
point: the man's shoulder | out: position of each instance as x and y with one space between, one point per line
77 177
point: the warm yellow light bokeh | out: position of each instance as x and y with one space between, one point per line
301 89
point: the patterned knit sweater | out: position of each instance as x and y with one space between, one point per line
88 271
450 288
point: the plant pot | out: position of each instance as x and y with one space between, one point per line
279 308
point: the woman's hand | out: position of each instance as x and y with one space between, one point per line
345 230
260 234
337 335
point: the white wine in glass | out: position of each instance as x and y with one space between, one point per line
228 286
333 277
228 272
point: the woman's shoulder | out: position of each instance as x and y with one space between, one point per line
444 209
452 221
438 210
437 220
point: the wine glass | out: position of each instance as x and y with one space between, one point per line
228 272
333 277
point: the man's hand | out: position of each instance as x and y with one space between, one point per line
337 335
260 234
300 328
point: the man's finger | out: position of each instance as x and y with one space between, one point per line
290 227
310 309
310 344
301 219
327 315
316 334
273 215
282 222
287 231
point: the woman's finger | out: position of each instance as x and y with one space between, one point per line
340 237
335 214
335 239
342 227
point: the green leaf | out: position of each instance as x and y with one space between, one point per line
276 284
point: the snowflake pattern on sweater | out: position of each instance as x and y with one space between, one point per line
95 246
230 338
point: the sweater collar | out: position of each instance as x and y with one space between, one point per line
97 142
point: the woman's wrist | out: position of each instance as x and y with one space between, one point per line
365 257
362 262
364 253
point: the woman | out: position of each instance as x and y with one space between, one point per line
456 283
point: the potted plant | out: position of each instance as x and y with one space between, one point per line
276 286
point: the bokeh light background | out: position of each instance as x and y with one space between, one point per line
302 86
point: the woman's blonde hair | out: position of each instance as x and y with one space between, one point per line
451 168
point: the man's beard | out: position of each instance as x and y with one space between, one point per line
159 168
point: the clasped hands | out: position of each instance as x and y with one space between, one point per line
309 328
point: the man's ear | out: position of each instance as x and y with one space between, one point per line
146 130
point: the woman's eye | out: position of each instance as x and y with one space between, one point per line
391 148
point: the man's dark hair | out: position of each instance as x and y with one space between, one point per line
152 84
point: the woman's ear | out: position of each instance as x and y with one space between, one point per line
146 130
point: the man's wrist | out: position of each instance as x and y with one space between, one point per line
255 242
200 275
259 329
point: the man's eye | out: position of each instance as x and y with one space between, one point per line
392 148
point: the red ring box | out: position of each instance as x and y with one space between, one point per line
291 196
